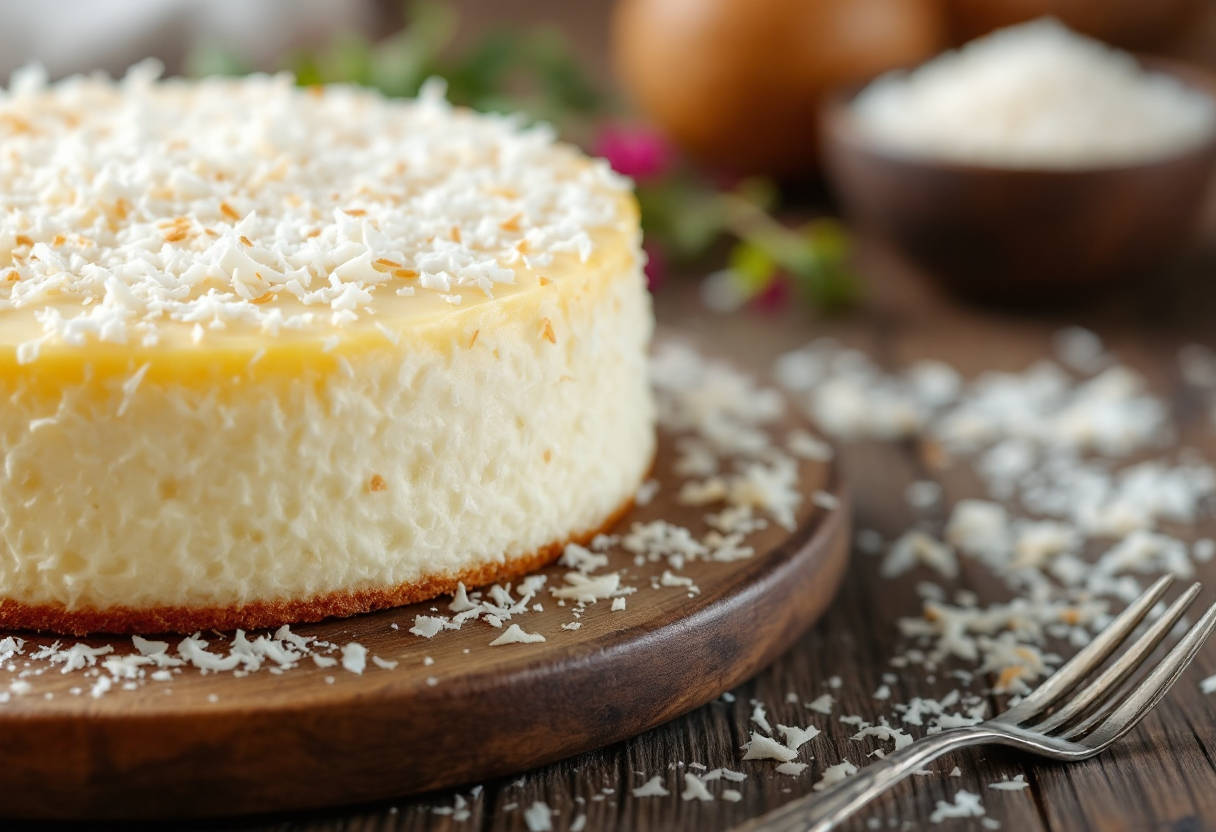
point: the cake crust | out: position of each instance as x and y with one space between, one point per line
57 618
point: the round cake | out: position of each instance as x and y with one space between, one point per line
271 354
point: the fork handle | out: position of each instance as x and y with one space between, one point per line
821 812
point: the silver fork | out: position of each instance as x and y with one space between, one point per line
1080 727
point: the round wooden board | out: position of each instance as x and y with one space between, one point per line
215 744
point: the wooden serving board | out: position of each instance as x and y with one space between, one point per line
453 711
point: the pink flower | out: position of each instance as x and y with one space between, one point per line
774 296
656 265
637 152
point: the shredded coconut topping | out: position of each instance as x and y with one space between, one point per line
254 203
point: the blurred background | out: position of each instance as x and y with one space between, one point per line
714 107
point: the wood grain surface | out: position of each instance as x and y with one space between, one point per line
1162 777
454 710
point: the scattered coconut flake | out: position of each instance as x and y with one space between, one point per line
460 603
802 444
587 589
193 649
760 717
884 731
822 704
101 686
651 788
835 774
795 737
966 805
825 500
694 789
514 635
762 748
1204 549
1079 349
582 559
917 547
538 817
427 626
923 494
668 579
646 492
354 658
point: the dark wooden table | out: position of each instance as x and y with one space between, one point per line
1163 776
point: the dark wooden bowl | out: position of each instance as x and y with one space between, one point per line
1021 236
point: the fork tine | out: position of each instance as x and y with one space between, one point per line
1113 676
1082 664
1114 722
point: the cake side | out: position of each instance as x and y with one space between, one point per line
268 351
474 441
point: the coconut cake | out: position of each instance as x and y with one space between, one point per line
271 354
